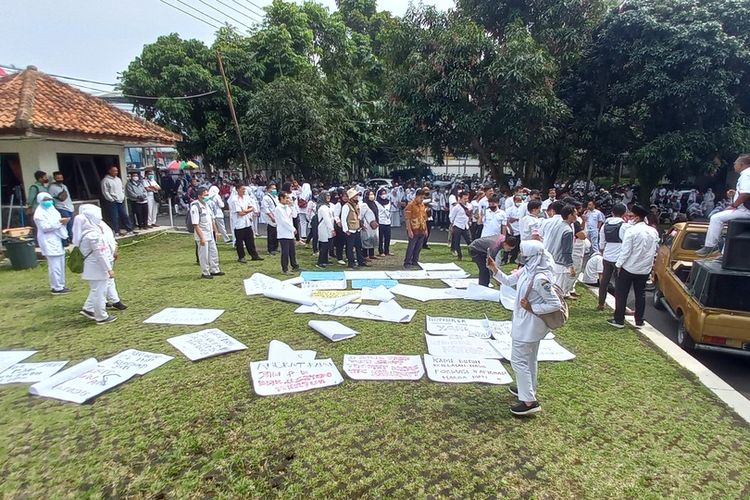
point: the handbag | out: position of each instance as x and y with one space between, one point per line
554 319
374 224
76 258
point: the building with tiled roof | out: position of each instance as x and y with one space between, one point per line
48 125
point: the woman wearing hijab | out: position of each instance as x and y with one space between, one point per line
369 217
384 221
97 263
113 298
216 204
50 233
326 228
535 296
305 195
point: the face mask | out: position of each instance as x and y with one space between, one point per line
59 182
524 197
274 192
518 203
151 177
493 208
206 199
48 203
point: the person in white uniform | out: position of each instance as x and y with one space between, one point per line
536 295
112 296
326 228
216 204
97 263
739 209
202 218
152 187
50 233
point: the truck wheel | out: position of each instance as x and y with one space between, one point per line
684 339
657 300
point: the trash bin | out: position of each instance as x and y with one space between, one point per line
22 253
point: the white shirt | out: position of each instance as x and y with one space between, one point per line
509 203
149 183
593 218
594 267
528 225
452 200
743 184
494 222
638 249
384 214
546 203
527 325
268 208
325 223
200 214
284 222
458 217
240 204
515 213
612 250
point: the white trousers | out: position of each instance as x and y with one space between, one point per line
223 228
719 219
153 211
523 359
208 256
97 299
396 218
56 271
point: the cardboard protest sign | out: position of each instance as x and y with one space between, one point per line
383 367
465 370
258 282
205 343
282 377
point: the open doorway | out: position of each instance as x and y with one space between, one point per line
84 173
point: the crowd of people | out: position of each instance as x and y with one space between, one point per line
571 232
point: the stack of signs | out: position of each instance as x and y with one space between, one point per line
383 367
205 343
288 371
465 370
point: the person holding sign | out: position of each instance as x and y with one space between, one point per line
536 295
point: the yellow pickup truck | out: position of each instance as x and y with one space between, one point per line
711 305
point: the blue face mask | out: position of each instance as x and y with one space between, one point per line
206 199
274 192
48 203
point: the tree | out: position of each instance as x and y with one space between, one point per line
666 82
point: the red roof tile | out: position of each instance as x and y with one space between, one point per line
33 102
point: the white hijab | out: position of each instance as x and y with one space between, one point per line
538 260
49 215
89 219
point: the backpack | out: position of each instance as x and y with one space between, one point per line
612 232
76 259
555 319
189 219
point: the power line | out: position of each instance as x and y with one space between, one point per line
191 15
247 8
255 4
221 12
76 79
176 98
253 19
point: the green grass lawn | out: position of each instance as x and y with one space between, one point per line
621 420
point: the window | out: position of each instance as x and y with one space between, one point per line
11 179
693 241
84 173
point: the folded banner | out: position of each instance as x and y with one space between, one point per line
279 351
332 330
291 294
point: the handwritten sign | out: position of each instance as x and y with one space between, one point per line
324 285
29 373
322 275
447 266
340 312
460 347
385 311
140 361
465 327
205 343
408 275
81 382
185 316
258 282
374 283
465 370
461 282
10 358
383 367
335 294
440 275
282 377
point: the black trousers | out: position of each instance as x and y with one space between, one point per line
456 236
288 254
312 233
384 239
296 226
609 271
271 241
622 288
139 213
245 239
354 249
339 241
481 261
325 246
476 231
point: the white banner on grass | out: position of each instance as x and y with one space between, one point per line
142 362
464 327
279 351
439 275
259 282
423 293
30 373
461 283
408 275
383 367
366 275
460 347
292 294
81 382
10 358
465 370
549 349
324 285
447 266
282 377
385 311
332 330
185 316
205 343
380 294
344 311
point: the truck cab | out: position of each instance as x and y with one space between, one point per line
711 305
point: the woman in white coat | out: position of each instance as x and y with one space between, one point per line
50 234
217 208
326 228
536 280
97 264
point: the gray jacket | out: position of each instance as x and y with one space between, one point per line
558 240
136 191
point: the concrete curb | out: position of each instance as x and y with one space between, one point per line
736 401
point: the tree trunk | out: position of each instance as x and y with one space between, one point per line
484 156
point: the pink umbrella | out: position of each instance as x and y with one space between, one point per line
175 165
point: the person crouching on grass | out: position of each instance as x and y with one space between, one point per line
536 295
285 230
490 246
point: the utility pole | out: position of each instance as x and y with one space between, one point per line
246 165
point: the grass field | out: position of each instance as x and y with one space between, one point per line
621 420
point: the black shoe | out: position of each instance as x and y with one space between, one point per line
639 324
272 253
613 322
425 247
61 291
407 267
513 390
207 276
257 258
522 409
242 261
119 306
364 264
320 266
108 319
295 269
220 273
87 314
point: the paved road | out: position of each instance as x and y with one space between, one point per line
733 369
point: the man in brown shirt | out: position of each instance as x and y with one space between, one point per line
416 227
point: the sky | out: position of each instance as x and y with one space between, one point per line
96 39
